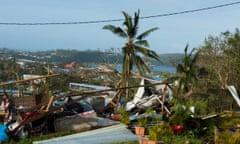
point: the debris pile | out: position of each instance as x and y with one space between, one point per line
83 111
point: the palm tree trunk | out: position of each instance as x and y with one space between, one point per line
127 76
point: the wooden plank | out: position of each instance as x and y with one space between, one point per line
113 103
2 113
30 79
50 103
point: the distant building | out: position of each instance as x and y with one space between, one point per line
70 65
22 62
86 87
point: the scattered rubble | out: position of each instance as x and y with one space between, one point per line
90 110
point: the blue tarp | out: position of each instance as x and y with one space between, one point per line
3 133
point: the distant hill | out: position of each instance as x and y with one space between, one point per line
88 56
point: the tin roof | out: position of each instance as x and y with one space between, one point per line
116 133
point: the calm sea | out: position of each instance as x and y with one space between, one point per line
154 68
164 68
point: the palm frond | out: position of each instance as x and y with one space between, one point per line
180 68
134 29
194 59
141 50
141 65
127 22
116 30
191 53
147 52
146 33
185 50
142 43
136 18
153 54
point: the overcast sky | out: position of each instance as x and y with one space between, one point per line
174 31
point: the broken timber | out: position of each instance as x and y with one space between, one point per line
31 100
113 104
27 80
43 113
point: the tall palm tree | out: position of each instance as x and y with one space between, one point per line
135 46
187 70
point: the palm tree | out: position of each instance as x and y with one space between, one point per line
135 46
187 70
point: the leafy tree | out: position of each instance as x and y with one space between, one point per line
233 54
135 46
213 57
9 69
221 56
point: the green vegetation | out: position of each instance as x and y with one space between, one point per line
142 121
221 58
125 116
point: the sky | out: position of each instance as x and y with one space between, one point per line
174 33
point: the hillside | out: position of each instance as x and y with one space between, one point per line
66 56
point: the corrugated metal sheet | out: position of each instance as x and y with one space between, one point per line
116 133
